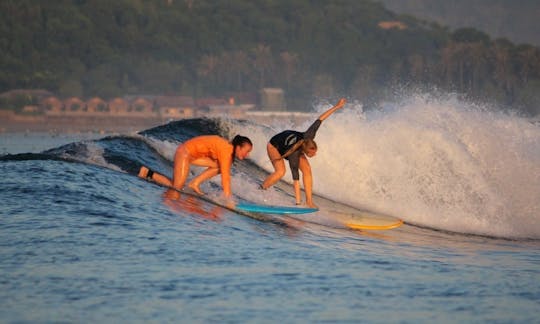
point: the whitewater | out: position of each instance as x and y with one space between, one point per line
439 163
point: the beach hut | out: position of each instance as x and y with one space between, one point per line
142 106
52 105
119 106
96 105
175 107
74 105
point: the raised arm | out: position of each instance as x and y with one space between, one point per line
312 130
330 111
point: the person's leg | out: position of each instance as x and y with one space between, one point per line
279 166
180 171
146 173
297 196
211 171
181 167
307 178
143 173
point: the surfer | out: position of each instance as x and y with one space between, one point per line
295 146
210 151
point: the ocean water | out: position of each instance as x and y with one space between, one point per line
82 239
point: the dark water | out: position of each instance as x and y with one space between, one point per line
82 239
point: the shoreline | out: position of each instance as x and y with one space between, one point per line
71 125
106 124
33 134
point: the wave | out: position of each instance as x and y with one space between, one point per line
443 164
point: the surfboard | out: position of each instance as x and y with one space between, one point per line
266 209
365 220
338 214
356 219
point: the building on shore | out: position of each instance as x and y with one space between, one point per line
74 105
265 108
273 99
52 105
97 105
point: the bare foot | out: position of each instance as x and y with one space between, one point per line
143 172
312 205
196 189
171 194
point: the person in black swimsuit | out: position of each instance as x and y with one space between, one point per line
295 146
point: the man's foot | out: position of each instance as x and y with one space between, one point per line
143 172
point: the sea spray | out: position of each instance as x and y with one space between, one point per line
440 163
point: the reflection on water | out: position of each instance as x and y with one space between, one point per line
189 205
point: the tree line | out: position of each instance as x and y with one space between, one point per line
310 48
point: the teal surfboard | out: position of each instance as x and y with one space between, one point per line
274 209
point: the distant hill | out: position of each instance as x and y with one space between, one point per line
311 49
516 20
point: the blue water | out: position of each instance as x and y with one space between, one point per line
82 239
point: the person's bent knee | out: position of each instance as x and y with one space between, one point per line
280 173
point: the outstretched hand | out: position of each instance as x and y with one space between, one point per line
330 111
341 103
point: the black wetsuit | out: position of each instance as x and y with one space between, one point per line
285 140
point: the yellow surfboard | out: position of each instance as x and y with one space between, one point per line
366 220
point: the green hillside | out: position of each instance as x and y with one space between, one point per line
310 48
516 20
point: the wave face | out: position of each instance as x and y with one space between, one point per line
442 164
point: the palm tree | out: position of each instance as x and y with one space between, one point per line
207 68
263 62
235 65
504 74
528 59
479 59
448 63
290 61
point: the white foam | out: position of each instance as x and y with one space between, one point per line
443 163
